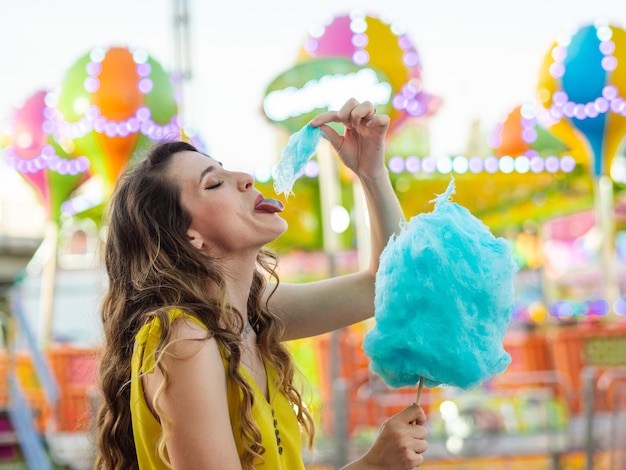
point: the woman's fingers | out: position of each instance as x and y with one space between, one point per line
351 114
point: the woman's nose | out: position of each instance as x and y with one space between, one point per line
246 181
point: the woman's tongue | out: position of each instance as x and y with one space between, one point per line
269 205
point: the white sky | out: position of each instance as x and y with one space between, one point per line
481 56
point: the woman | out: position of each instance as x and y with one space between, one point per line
194 375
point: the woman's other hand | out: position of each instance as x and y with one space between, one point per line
399 445
362 146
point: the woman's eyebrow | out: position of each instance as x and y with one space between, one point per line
207 170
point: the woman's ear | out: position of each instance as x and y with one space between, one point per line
195 239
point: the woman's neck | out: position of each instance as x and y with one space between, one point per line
238 276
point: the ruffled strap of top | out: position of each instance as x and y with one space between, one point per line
149 334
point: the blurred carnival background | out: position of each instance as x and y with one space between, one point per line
523 103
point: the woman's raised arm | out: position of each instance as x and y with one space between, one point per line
317 307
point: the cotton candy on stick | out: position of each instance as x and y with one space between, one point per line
443 301
299 149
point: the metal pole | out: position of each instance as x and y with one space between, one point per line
588 378
330 196
182 54
605 220
48 281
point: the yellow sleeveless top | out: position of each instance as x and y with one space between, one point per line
275 418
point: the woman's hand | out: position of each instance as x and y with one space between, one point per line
362 146
400 444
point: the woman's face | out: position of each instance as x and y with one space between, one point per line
226 215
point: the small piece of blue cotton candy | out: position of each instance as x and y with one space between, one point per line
299 149
443 301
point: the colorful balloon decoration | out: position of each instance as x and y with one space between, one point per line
30 149
111 104
369 41
350 53
519 134
582 87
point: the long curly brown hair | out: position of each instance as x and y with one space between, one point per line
152 268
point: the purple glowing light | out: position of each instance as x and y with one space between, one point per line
569 108
360 40
143 113
529 135
537 164
567 164
99 124
579 111
399 102
598 307
559 53
92 113
311 45
559 98
405 43
552 164
396 164
47 159
557 70
620 307
93 68
145 86
91 84
617 105
143 70
147 128
429 165
311 169
609 63
110 129
607 47
47 127
562 309
360 57
491 164
133 125
610 92
415 108
601 105
556 114
412 164
410 59
409 90
47 152
476 164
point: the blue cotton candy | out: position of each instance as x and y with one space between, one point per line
443 301
300 148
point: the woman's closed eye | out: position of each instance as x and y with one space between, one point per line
215 185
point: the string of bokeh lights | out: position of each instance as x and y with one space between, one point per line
459 164
46 159
565 310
